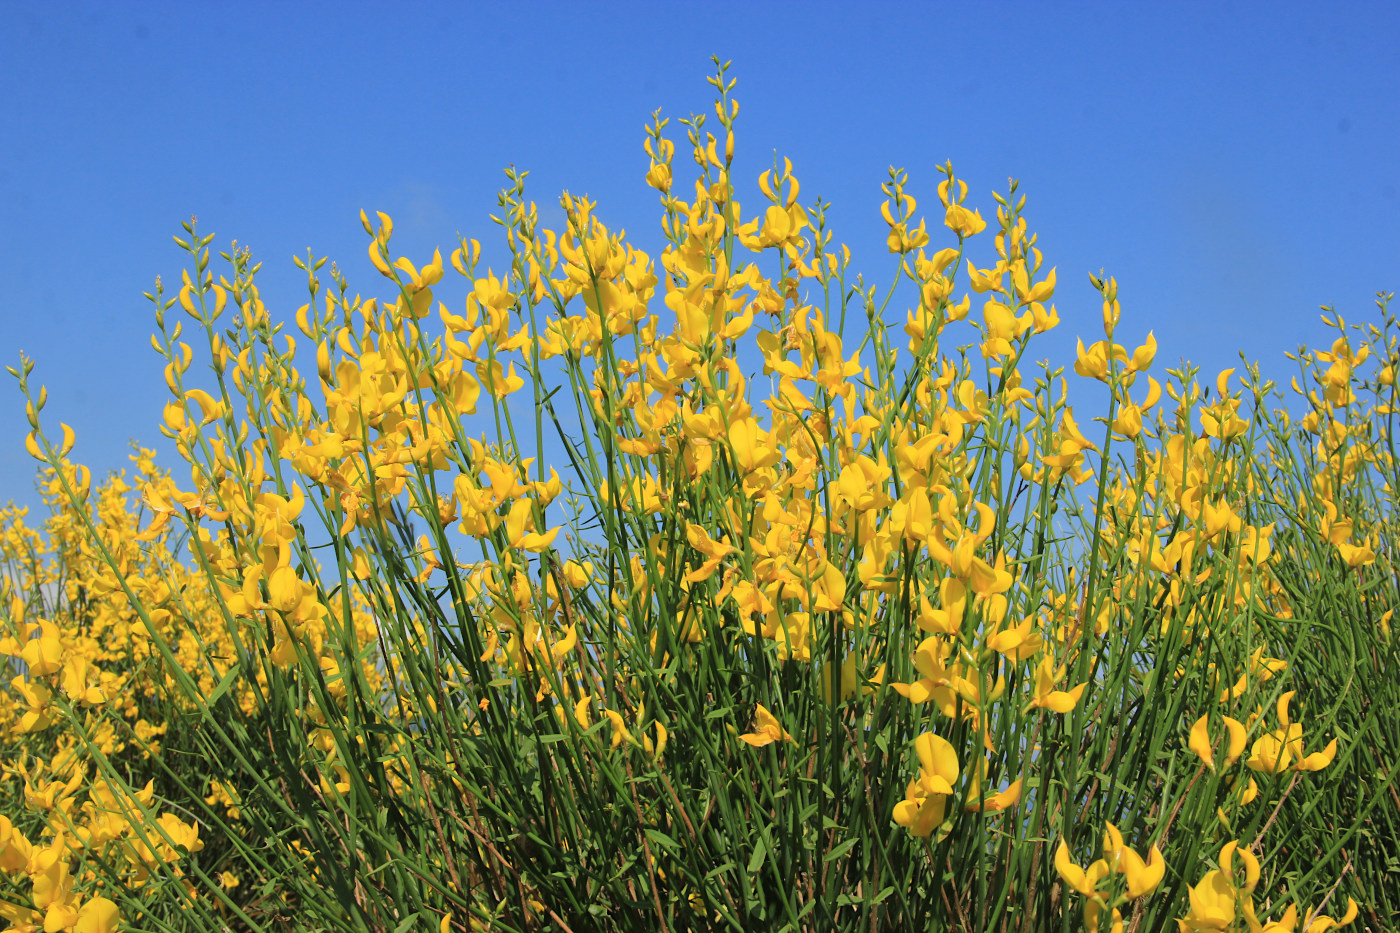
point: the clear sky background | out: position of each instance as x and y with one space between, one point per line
1233 165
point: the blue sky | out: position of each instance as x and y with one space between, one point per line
1233 168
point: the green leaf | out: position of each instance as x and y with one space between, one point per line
718 870
760 852
840 850
661 839
224 685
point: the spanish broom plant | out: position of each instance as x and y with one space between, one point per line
714 587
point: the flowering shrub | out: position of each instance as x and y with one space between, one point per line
706 591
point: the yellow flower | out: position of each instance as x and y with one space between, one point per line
185 835
1018 643
1046 696
963 222
1002 800
1092 909
98 915
929 660
1282 749
753 449
925 803
1260 669
1200 743
767 729
44 654
1212 905
15 849
1228 853
1314 923
1085 881
520 522
1143 876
